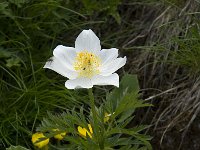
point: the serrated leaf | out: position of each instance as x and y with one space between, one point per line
124 100
134 133
128 84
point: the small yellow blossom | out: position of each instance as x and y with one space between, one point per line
38 140
59 136
106 117
83 131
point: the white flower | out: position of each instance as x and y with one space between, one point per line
86 64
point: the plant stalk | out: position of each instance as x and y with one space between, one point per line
94 115
92 104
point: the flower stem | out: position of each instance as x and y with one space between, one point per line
94 115
92 104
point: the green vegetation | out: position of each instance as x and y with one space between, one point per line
112 132
160 38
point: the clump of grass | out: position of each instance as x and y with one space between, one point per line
168 67
26 98
188 53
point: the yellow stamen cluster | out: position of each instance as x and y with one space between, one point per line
87 64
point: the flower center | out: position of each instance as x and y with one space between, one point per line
87 64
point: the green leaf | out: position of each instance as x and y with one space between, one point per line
124 100
132 132
128 84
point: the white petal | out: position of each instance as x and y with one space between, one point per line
66 55
107 55
112 79
57 66
112 66
87 40
79 83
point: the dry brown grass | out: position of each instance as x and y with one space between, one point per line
171 87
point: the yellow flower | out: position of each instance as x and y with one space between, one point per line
59 136
38 140
83 131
